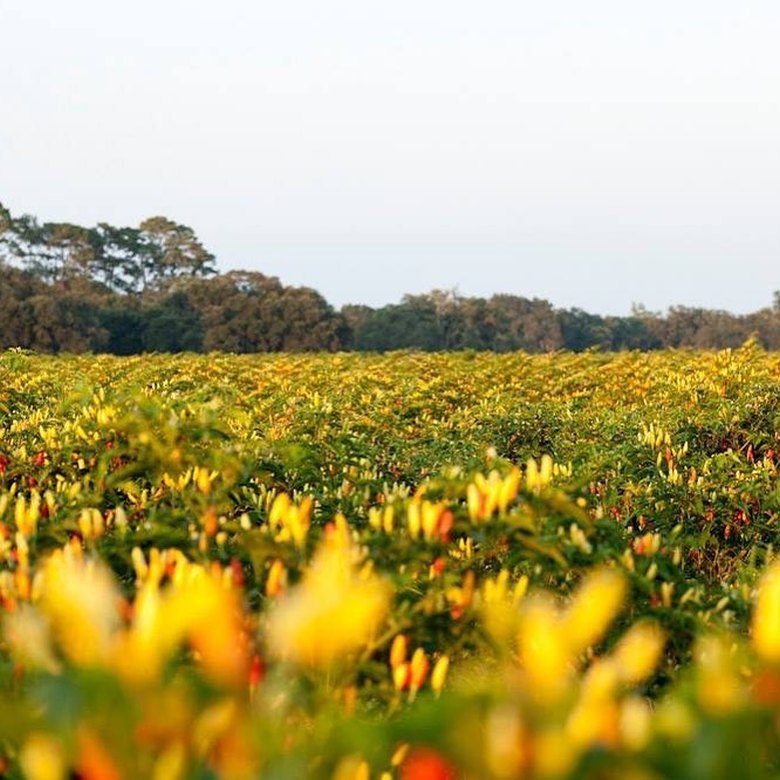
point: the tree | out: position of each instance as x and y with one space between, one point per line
250 312
581 330
412 324
167 249
522 323
173 325
6 221
354 317
634 332
124 325
20 237
52 251
17 287
66 317
119 264
65 251
124 259
310 324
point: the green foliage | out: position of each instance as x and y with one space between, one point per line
664 469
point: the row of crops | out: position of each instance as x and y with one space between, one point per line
402 566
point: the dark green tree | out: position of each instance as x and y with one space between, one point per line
581 330
412 324
173 325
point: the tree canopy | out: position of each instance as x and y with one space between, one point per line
155 287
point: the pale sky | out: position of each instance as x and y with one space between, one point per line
592 153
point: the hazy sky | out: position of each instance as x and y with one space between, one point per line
593 153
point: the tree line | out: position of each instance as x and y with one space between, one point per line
155 288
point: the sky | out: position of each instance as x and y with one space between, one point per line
595 154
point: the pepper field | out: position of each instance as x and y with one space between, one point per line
402 566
